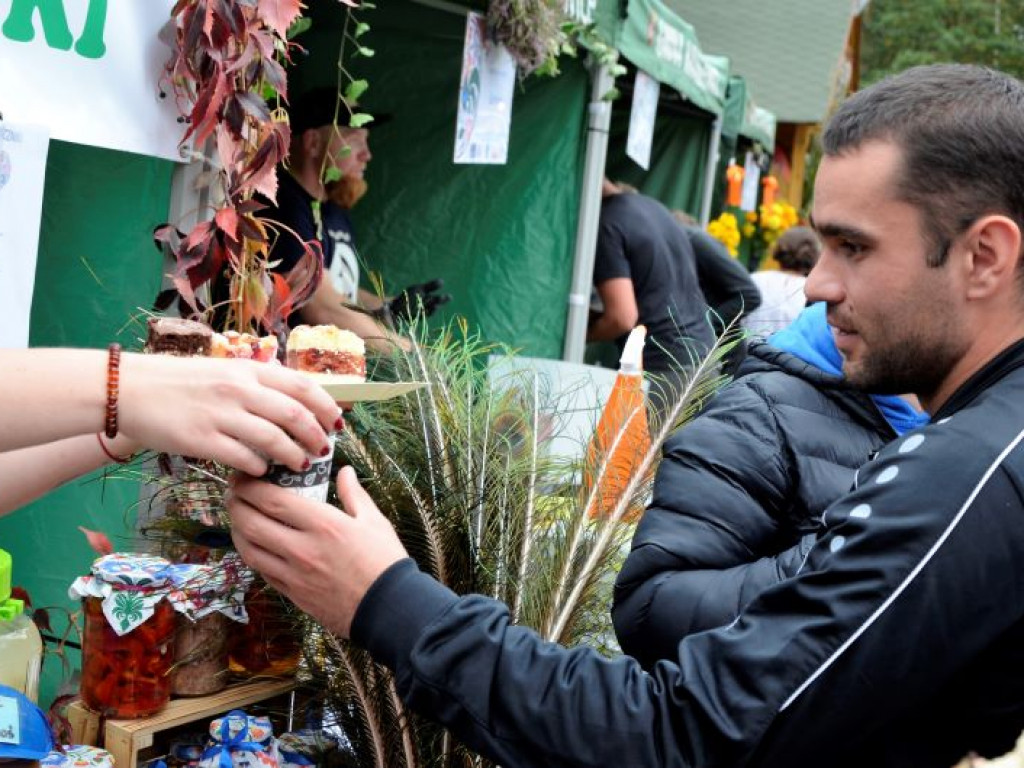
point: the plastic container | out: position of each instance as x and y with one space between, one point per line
21 647
128 643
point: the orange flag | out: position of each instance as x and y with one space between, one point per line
770 184
734 176
622 436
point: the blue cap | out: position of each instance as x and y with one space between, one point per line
35 739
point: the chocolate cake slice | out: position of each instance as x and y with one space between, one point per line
177 336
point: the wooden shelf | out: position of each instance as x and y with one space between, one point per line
124 739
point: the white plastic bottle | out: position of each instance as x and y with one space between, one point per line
21 647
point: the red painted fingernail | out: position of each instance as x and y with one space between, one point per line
325 450
339 424
306 465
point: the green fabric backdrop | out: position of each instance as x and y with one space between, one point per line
97 266
679 154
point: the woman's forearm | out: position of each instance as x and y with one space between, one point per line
50 394
28 473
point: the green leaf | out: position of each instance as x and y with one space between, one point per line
354 90
332 174
299 26
359 119
361 29
611 95
362 50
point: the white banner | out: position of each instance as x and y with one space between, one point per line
90 71
22 173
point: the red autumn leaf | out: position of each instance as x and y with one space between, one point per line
98 541
280 301
19 593
227 221
41 618
279 14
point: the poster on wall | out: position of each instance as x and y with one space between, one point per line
90 72
646 91
485 98
23 151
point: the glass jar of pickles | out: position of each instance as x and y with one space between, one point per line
209 598
127 645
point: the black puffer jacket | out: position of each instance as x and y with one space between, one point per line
900 643
746 481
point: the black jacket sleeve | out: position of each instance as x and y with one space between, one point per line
725 283
721 501
653 617
881 619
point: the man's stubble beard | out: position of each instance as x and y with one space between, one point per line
918 363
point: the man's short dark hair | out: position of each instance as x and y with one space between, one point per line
960 128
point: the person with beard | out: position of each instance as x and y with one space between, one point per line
740 491
309 209
900 641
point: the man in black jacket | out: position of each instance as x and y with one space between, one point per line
901 640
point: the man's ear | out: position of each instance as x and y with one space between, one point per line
994 244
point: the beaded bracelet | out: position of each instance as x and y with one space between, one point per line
109 453
113 388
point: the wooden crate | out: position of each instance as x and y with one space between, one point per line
124 739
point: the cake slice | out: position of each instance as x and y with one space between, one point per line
244 346
177 336
326 349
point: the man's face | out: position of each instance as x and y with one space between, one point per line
349 151
898 323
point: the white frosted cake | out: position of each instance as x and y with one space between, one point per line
326 349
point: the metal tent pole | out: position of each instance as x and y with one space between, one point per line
598 119
712 170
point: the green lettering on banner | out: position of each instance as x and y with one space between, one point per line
90 45
19 26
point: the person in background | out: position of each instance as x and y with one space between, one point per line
236 412
727 286
740 491
900 641
782 290
645 273
321 148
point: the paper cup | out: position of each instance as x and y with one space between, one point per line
311 484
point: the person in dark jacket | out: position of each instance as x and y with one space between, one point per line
740 491
900 642
726 284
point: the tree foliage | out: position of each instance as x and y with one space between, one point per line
903 33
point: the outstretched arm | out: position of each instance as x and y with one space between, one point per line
236 412
849 628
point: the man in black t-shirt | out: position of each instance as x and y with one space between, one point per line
645 274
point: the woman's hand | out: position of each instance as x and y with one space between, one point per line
236 412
